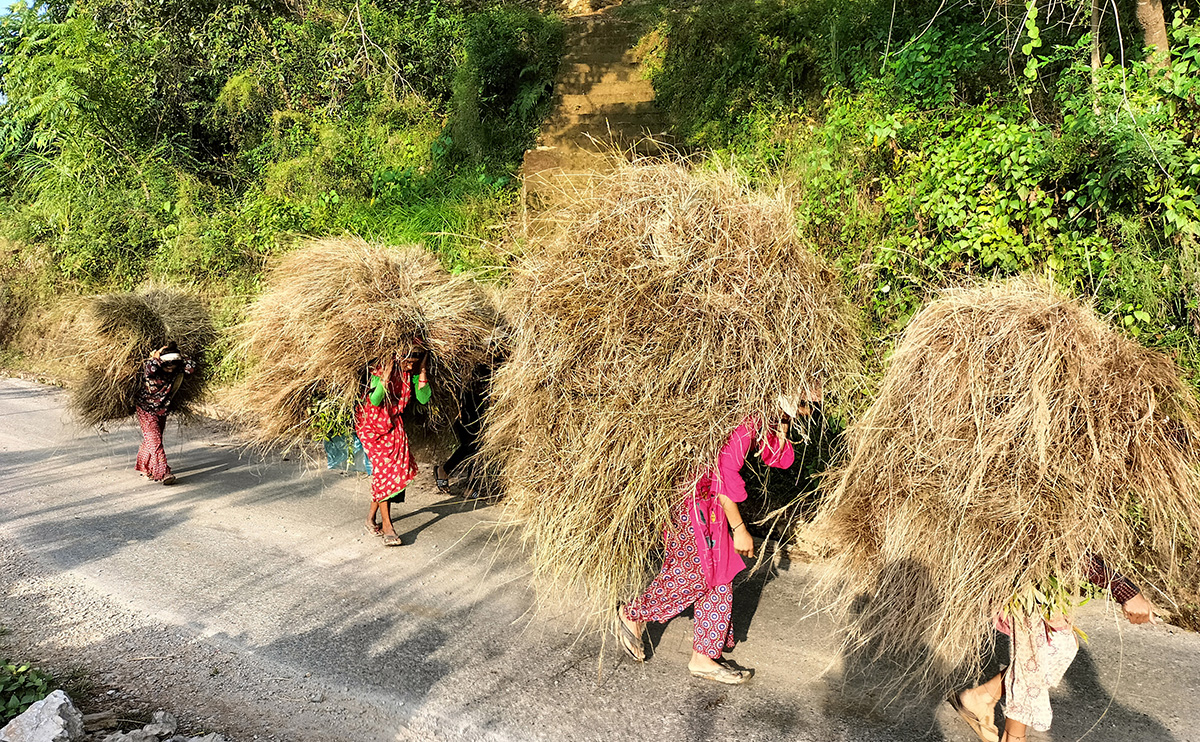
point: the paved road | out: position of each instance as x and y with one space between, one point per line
249 593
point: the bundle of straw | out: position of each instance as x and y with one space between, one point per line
663 309
1014 434
117 332
334 306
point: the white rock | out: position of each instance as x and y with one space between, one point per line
52 719
214 737
162 724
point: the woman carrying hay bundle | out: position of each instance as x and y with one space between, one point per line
1041 651
466 428
141 354
657 322
343 324
1016 438
162 374
703 550
381 430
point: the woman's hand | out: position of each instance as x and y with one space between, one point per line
387 369
1138 610
743 542
812 395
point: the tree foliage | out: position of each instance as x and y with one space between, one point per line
928 143
194 138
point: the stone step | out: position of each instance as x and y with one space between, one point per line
603 105
616 56
628 87
606 139
647 112
609 73
553 163
580 136
593 43
602 23
601 98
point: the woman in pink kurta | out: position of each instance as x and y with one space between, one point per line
381 430
704 551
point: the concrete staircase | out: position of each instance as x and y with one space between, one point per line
601 103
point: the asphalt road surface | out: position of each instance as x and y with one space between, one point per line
249 595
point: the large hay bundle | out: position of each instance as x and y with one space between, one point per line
664 309
117 332
332 307
1014 433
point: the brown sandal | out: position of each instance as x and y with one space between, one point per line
723 674
985 729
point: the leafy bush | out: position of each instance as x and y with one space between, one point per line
21 686
194 140
960 144
502 91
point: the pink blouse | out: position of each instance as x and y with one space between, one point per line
718 559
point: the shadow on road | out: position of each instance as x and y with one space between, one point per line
1089 711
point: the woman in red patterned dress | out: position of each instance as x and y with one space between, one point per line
704 549
381 431
161 375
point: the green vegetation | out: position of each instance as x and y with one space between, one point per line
927 144
193 140
21 686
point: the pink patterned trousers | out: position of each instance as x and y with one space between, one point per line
679 584
151 458
1040 658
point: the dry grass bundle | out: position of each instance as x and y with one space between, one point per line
664 309
1014 433
117 332
334 306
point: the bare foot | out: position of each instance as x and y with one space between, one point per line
702 663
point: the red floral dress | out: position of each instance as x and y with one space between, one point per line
382 434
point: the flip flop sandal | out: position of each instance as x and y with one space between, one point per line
723 674
733 665
442 484
391 539
374 530
169 479
985 729
629 641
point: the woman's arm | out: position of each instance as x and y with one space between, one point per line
743 542
730 461
777 450
378 391
1137 609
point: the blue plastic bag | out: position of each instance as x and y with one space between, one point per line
346 453
337 452
362 462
